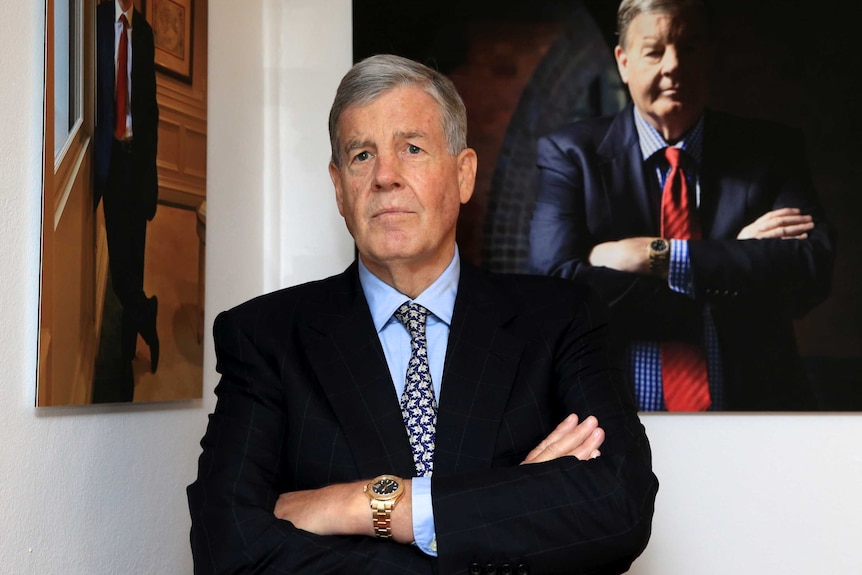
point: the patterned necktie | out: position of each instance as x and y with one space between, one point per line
122 95
418 406
683 365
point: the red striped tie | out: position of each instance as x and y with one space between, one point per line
122 95
683 365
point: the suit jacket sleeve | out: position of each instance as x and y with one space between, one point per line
232 500
749 169
566 515
784 277
571 217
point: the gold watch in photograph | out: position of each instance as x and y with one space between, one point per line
659 256
384 491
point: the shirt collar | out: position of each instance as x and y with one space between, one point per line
438 298
119 12
651 141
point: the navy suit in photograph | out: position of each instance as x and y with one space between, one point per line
595 187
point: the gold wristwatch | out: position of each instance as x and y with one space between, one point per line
384 491
659 257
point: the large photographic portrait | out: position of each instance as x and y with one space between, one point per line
529 69
124 220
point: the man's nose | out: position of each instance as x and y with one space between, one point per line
670 61
387 174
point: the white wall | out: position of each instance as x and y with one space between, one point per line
101 490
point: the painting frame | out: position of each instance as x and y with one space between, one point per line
173 31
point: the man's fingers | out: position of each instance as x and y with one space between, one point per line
784 223
779 213
565 426
590 445
569 438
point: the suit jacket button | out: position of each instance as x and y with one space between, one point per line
523 569
474 569
490 569
505 569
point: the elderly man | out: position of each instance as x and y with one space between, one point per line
339 398
702 231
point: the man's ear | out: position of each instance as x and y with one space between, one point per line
622 63
335 176
467 165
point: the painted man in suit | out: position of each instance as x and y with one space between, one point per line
127 119
702 305
334 408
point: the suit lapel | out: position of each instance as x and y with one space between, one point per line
482 360
723 194
629 200
346 355
105 39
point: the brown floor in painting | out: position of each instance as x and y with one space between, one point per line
171 274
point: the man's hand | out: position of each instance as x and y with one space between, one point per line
570 438
785 223
628 255
343 509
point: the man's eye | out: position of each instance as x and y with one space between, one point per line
411 149
361 156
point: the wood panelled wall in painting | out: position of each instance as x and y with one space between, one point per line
183 119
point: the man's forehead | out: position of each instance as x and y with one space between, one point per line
669 25
402 112
357 139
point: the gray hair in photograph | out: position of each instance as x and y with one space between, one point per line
631 9
376 75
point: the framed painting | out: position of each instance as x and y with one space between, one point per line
172 31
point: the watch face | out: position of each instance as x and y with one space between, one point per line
385 486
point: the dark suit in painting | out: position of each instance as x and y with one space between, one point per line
595 187
125 174
306 400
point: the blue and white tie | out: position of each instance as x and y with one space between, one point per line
418 406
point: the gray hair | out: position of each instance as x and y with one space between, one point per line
631 9
376 75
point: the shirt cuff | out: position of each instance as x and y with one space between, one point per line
679 277
423 516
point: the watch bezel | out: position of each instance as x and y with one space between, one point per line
659 246
375 496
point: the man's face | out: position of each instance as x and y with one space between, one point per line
665 65
398 188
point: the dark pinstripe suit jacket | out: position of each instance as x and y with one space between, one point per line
306 399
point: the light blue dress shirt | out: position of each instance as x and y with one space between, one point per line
439 299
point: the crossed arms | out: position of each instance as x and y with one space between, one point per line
263 502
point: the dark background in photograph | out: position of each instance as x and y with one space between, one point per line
524 69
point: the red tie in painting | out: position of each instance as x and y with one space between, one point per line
122 95
683 365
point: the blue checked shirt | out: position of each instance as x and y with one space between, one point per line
644 356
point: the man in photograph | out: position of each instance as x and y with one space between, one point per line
414 414
127 119
702 231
